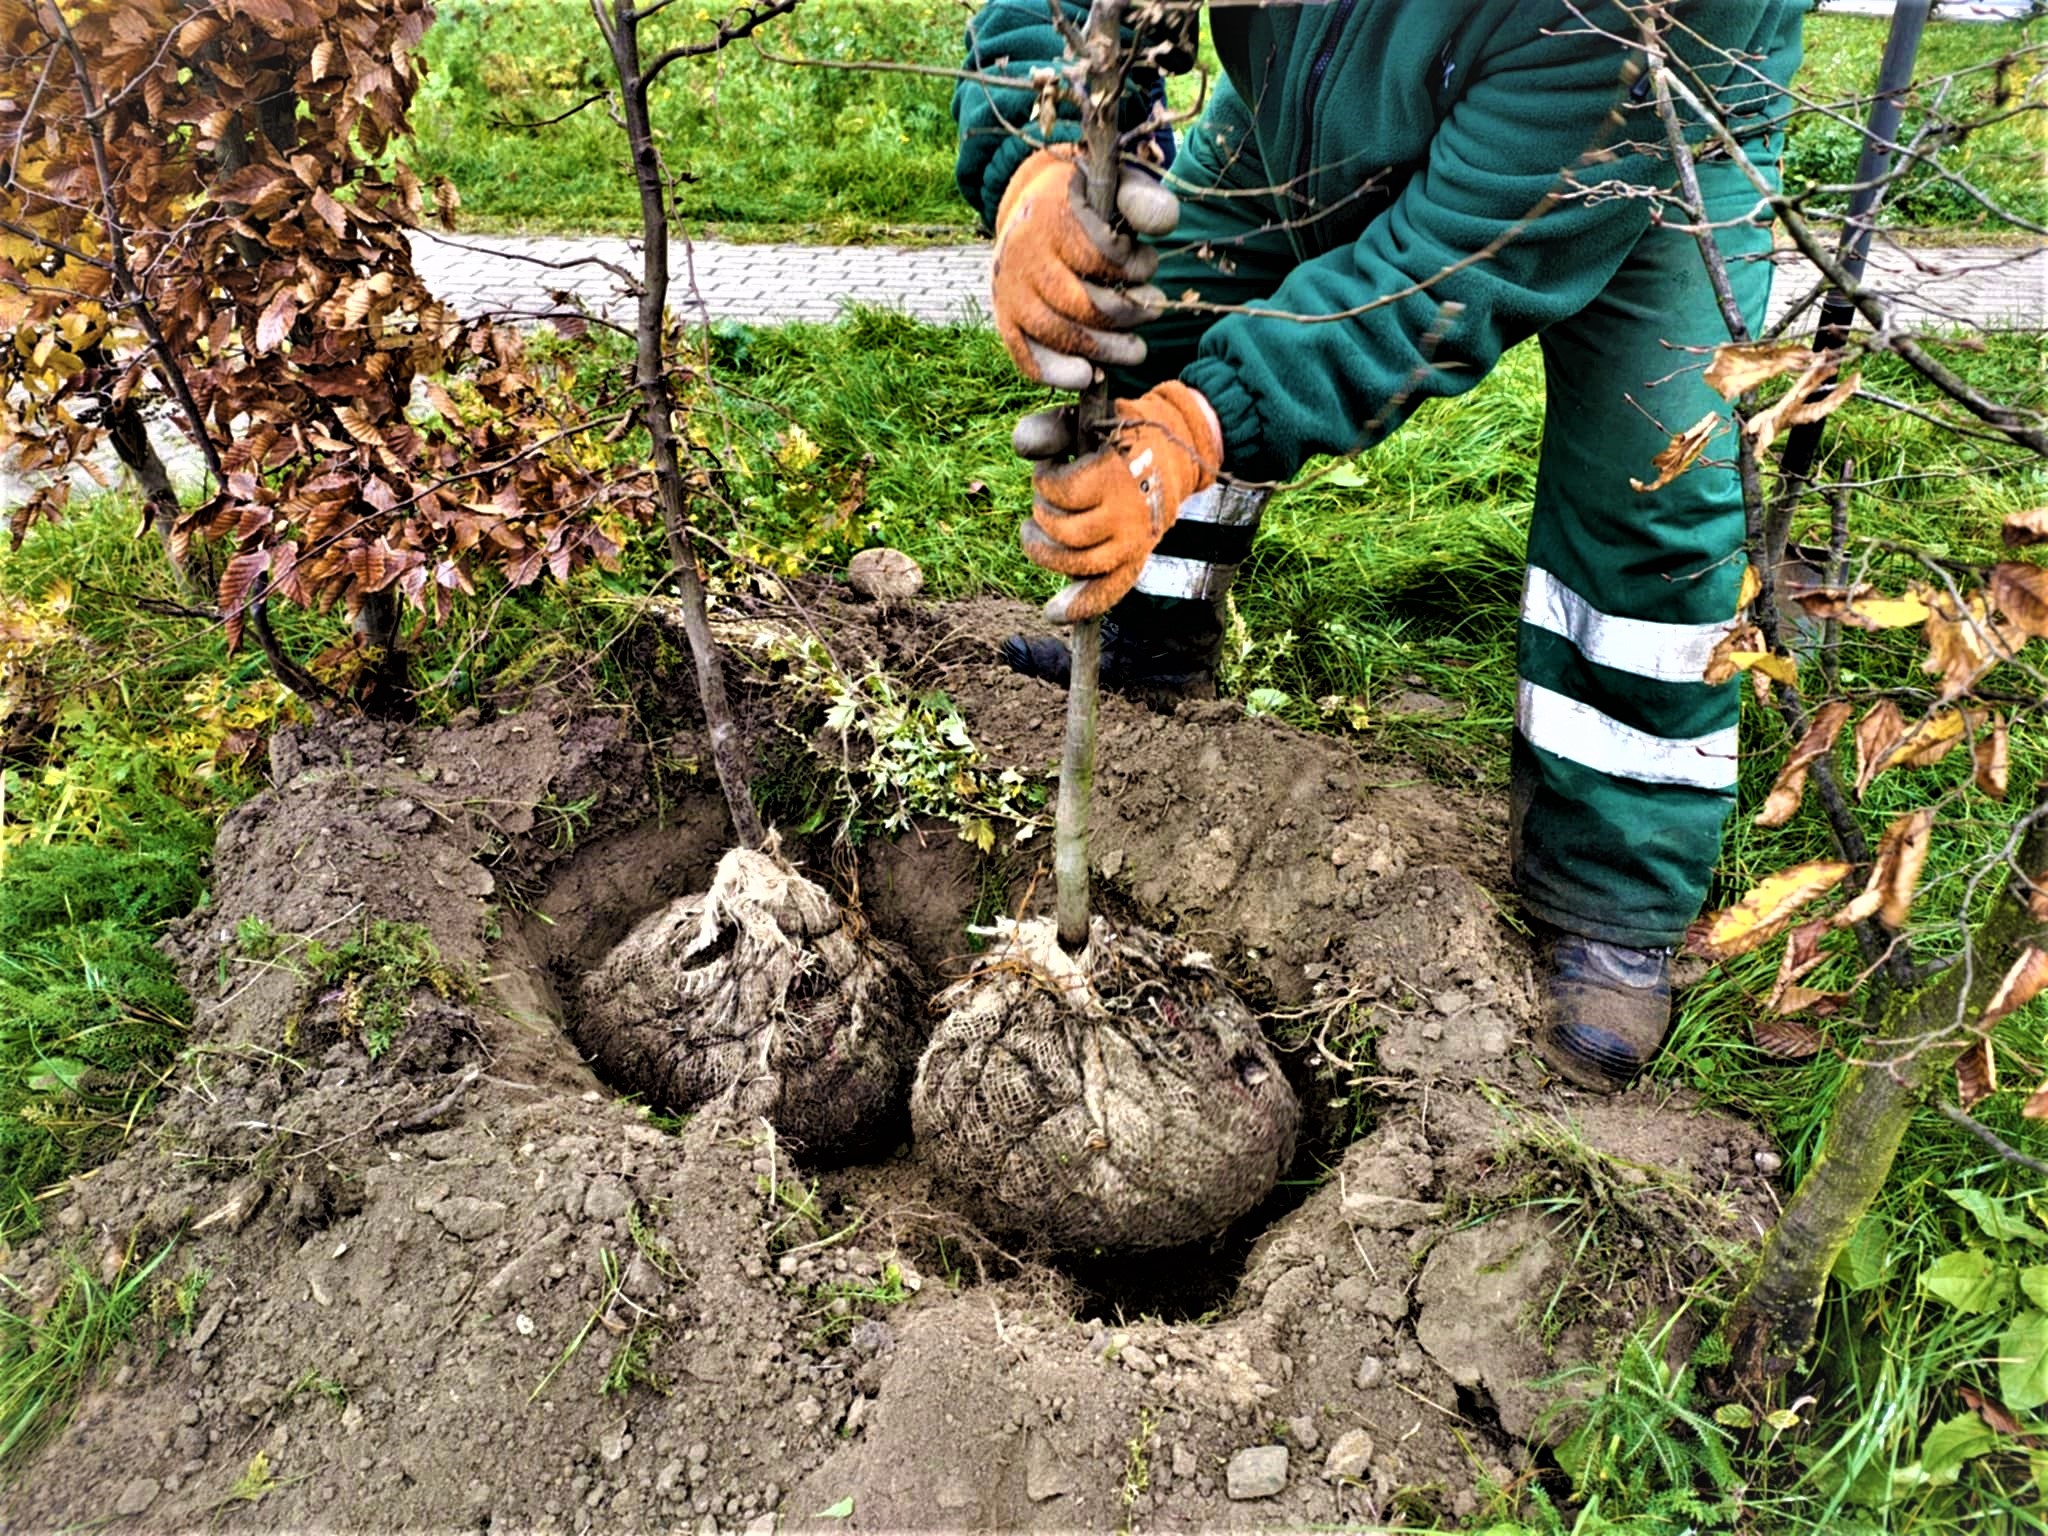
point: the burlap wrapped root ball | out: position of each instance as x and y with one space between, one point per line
764 997
1120 1100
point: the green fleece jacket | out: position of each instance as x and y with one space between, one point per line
1400 140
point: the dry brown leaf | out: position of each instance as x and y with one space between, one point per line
1864 907
2021 592
1682 452
1901 856
1962 642
1767 908
2036 1107
2021 984
1742 365
1790 788
1822 1005
1740 637
1741 650
1803 403
1876 734
1997 1416
1991 756
1976 1073
2037 897
1802 955
1786 1040
2023 528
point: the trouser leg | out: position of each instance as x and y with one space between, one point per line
1624 764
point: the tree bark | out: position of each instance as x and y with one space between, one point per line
1101 71
1772 1322
657 410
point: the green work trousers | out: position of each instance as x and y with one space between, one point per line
1624 761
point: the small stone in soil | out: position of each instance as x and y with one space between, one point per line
1301 1432
137 1494
1370 1370
1258 1472
1350 1456
1768 1162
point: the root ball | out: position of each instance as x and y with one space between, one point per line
765 994
1119 1100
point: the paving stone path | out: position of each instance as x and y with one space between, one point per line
1993 288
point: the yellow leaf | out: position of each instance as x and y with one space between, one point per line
1767 908
1682 452
1752 588
1926 742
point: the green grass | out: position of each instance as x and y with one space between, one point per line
1964 73
766 151
1403 564
775 151
48 1353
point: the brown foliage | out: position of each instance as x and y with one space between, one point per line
234 237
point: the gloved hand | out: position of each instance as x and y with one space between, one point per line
1099 518
1052 256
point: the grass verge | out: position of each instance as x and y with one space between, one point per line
774 151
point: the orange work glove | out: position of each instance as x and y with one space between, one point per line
1099 518
1052 257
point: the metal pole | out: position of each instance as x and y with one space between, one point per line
1873 170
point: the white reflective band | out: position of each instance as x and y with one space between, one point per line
1226 506
1584 735
1171 576
1670 653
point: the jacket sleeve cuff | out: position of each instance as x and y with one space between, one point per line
1248 453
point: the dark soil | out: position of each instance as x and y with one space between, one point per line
467 1285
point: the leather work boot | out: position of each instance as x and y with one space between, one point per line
1606 1009
1149 645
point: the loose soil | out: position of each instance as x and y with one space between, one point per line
468 1285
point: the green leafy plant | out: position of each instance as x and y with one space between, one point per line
900 756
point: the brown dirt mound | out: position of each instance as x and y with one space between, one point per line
761 995
1119 1100
462 1285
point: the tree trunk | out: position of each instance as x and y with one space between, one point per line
657 411
1772 1322
1101 92
385 687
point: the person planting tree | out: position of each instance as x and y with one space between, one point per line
1381 198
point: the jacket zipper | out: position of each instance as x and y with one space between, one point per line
1321 67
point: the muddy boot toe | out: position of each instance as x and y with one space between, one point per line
1606 1009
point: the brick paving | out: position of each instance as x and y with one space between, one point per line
1990 288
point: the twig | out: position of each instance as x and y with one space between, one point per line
1977 1128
